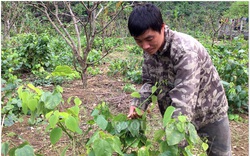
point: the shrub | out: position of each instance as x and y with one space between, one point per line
26 52
231 61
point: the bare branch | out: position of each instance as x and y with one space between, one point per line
65 30
85 6
45 11
99 12
75 24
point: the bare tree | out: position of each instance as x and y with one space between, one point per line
87 27
10 13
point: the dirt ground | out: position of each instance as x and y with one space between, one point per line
108 89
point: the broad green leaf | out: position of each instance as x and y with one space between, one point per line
13 150
20 90
168 115
181 127
121 126
55 135
62 71
159 134
136 95
173 136
79 130
204 146
188 151
59 89
115 143
4 148
193 136
27 150
69 99
120 117
138 111
37 90
63 115
134 127
51 100
154 88
91 153
95 112
94 137
132 141
102 148
33 104
24 96
182 118
71 123
77 101
163 146
102 122
166 153
154 99
167 150
49 114
143 151
53 120
74 110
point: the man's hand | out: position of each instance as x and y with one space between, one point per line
133 114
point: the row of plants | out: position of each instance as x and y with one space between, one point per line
129 68
106 133
231 61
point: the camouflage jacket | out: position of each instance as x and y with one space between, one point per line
187 78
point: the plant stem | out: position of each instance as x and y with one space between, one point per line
64 129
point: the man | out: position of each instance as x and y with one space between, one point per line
187 77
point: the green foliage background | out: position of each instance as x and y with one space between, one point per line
34 49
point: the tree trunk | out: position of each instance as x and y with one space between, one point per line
84 78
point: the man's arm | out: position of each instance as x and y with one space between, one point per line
186 85
145 91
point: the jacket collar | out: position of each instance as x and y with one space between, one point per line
167 39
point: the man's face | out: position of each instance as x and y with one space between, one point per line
151 41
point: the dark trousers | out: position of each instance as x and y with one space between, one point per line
219 138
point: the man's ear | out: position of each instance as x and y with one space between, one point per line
162 28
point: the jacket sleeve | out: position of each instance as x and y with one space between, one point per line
186 84
145 90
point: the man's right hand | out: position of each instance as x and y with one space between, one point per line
133 114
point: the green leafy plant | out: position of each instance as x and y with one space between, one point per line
116 133
129 88
22 149
64 121
94 71
37 102
11 109
130 68
59 75
230 60
135 50
176 132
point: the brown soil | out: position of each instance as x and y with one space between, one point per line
108 89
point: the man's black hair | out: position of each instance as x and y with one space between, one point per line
143 17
